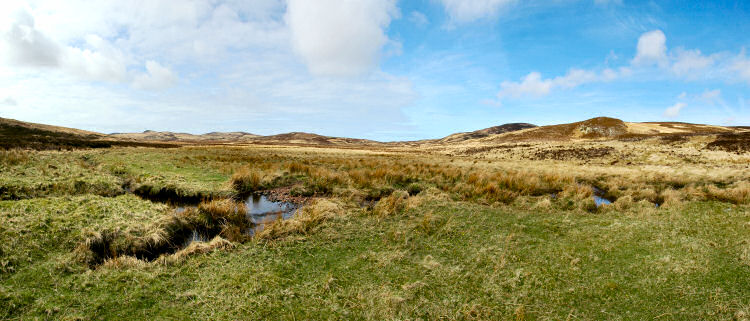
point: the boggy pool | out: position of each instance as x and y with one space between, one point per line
260 211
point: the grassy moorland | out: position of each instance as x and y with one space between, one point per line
458 233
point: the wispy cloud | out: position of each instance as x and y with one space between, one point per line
462 11
674 110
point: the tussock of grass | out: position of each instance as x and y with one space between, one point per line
543 204
222 217
247 180
195 248
148 243
13 157
304 222
391 205
212 218
737 193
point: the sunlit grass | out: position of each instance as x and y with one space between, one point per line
449 237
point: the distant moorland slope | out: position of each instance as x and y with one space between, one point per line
18 134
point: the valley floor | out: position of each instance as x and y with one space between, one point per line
499 233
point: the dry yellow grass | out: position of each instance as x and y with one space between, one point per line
307 219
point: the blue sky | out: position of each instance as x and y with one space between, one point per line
378 69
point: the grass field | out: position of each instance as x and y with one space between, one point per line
461 233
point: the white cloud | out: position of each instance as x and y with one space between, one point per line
418 19
711 97
471 10
237 67
575 78
9 101
531 85
651 49
652 55
674 110
156 77
23 44
339 37
741 66
688 63
95 64
534 85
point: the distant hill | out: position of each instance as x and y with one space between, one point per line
609 128
506 128
314 139
151 135
18 134
242 137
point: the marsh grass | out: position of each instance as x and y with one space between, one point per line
491 236
304 222
224 219
247 180
14 157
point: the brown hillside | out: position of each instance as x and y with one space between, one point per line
18 134
506 128
151 135
600 127
311 139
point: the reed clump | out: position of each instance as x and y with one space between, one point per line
221 217
247 180
392 204
14 157
304 222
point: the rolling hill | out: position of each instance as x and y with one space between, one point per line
18 134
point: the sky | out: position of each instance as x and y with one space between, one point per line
376 69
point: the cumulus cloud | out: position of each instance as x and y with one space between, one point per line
651 55
105 64
156 77
231 64
534 85
470 10
339 38
25 45
651 49
674 110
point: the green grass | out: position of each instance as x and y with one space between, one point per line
424 257
442 259
54 174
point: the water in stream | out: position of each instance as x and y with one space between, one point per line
599 197
261 211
